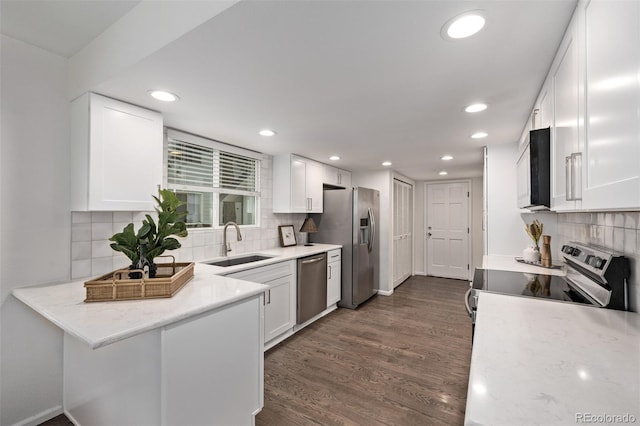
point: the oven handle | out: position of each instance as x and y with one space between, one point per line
466 300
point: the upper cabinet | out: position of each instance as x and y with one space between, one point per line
565 137
611 154
593 100
336 177
297 184
116 155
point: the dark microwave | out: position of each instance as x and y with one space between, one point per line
534 172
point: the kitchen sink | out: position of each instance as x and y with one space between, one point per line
237 260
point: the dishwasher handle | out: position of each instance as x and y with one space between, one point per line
314 260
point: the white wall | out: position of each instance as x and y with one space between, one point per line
505 228
383 182
35 225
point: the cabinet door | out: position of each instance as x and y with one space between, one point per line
279 312
545 108
334 276
299 200
125 155
611 175
330 175
344 178
314 179
524 179
564 134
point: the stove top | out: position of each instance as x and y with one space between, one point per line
540 286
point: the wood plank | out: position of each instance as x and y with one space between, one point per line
397 360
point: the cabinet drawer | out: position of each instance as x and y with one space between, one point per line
267 273
334 255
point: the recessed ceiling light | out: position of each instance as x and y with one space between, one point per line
479 135
476 108
163 95
463 26
266 132
334 158
443 173
386 163
446 157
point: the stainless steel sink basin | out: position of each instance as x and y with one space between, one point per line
237 260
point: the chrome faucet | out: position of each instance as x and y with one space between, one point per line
225 244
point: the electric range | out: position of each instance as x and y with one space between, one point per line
595 276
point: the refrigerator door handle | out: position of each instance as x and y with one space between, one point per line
372 229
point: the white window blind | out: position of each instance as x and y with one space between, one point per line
199 167
218 182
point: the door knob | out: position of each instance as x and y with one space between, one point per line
428 234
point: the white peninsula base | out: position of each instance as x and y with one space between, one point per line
203 370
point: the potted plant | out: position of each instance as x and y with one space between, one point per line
534 230
152 240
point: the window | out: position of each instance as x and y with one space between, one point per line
219 183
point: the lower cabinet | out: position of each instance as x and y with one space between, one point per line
280 298
334 277
279 312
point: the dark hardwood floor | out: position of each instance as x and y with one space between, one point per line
398 360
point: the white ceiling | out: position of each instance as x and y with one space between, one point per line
366 80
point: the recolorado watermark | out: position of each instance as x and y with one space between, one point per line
605 418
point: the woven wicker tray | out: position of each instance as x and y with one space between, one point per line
116 285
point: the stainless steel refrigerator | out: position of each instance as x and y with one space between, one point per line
349 219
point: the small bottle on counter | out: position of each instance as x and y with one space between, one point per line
545 252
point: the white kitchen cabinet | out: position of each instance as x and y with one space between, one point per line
116 155
544 114
567 128
297 184
336 177
334 277
203 370
611 154
280 298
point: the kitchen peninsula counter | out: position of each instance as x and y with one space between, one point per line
540 362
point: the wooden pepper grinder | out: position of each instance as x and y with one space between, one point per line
545 253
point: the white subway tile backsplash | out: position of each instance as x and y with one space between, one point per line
618 220
101 231
80 217
101 248
101 265
197 239
80 269
120 261
618 239
126 217
631 220
630 236
102 217
81 250
80 232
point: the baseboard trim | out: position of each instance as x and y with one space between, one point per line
385 292
41 417
421 273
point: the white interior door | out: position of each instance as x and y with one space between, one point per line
447 231
402 231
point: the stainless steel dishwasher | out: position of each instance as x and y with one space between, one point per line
312 286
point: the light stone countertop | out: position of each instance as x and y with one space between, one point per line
508 263
537 362
102 323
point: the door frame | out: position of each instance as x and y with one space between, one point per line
426 221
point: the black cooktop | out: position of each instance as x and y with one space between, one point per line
528 285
